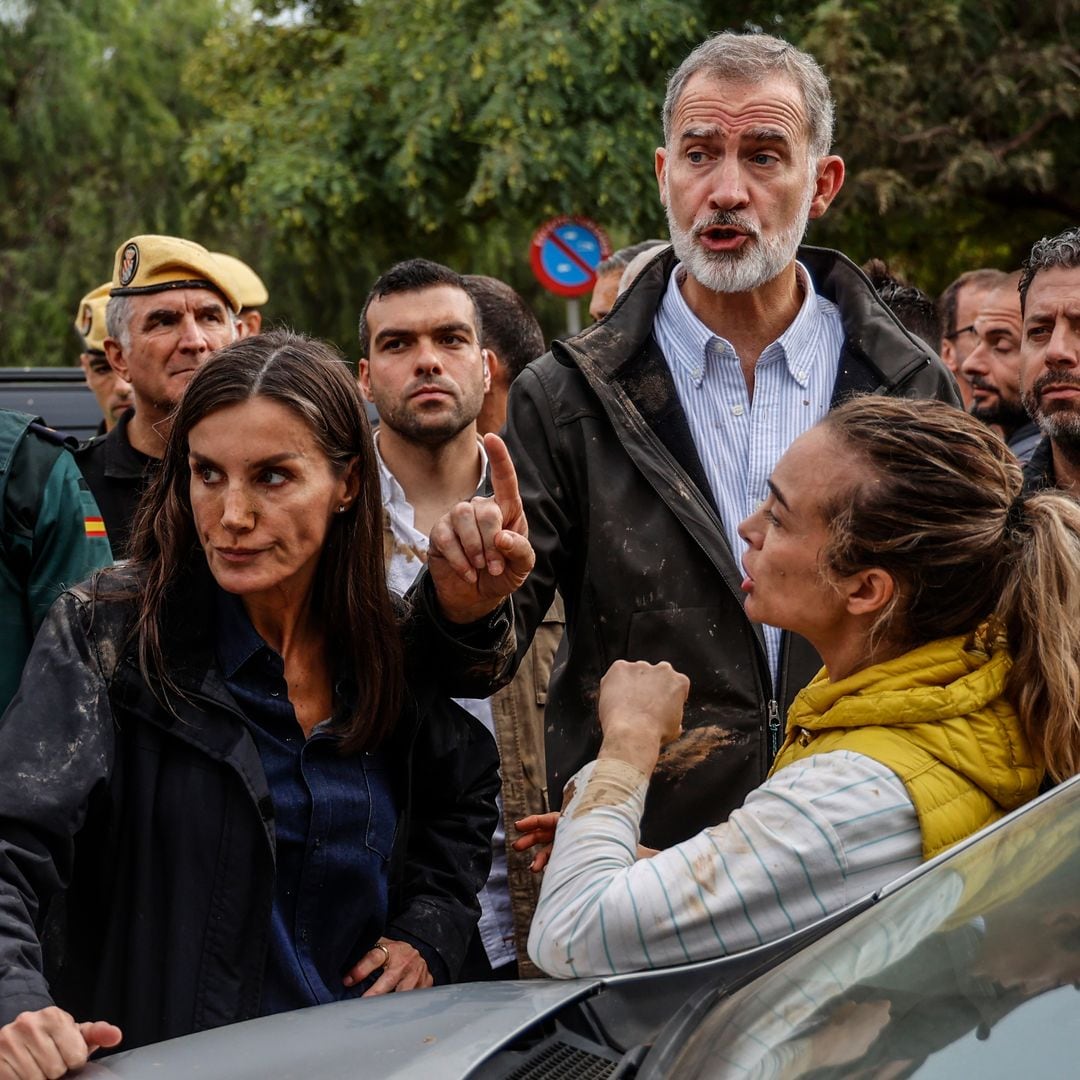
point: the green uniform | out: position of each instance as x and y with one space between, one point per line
51 535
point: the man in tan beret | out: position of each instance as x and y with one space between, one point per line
112 393
251 291
171 306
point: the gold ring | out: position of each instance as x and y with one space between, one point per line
386 953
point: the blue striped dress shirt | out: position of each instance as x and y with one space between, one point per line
739 441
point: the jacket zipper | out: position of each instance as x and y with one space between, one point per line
774 729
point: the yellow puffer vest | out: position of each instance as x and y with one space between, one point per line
937 718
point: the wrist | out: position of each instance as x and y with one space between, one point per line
635 747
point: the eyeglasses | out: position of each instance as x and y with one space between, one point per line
957 333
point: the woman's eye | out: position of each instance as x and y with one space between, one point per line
207 474
272 477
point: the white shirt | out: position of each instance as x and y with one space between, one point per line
817 835
409 555
739 441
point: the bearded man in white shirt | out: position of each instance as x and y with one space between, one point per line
424 370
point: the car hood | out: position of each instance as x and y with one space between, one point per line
423 1034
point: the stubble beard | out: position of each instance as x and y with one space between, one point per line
1061 424
426 430
1007 414
758 261
431 427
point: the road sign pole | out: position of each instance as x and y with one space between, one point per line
573 317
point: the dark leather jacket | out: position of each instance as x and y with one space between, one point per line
624 526
155 827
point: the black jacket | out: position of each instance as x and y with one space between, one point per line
625 527
159 826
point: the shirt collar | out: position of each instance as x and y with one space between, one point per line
238 643
394 494
237 640
795 343
122 460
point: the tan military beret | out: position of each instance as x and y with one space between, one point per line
90 318
249 286
148 264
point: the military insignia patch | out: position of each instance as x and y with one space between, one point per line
129 264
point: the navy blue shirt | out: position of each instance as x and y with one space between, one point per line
334 820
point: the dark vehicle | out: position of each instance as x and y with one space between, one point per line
968 966
61 397
57 394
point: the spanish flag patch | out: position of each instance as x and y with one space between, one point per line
94 526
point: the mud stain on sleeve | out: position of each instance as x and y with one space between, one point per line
612 783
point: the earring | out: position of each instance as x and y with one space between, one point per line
341 509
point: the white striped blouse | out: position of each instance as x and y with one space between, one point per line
817 835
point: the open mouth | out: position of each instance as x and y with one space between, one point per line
723 237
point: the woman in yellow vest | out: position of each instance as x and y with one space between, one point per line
946 609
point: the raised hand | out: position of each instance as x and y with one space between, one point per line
640 710
479 551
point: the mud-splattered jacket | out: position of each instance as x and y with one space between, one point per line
625 527
155 828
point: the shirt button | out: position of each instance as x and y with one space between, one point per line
737 410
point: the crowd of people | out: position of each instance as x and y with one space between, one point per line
650 647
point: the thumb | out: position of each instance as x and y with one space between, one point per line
100 1033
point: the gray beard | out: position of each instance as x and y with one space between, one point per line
756 263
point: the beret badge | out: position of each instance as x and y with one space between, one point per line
129 264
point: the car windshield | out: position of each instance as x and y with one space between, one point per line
971 969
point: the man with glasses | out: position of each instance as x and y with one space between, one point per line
957 307
992 366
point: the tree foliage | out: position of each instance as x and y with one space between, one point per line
94 118
321 142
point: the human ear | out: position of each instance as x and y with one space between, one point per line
350 482
114 353
869 591
660 164
490 364
830 178
363 377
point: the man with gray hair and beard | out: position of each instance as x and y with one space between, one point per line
641 443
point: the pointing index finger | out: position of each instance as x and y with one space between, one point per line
504 485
